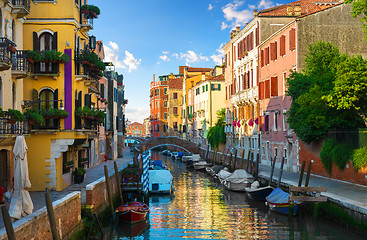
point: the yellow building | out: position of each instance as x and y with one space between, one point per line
13 68
174 105
59 145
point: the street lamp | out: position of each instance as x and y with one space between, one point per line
92 42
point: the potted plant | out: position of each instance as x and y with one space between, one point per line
63 113
78 174
33 56
34 117
15 116
12 48
46 113
100 116
84 9
84 112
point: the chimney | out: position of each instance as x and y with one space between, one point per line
255 13
153 77
203 76
232 35
238 27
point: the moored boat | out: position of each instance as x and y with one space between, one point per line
132 212
258 193
238 180
201 164
278 201
160 181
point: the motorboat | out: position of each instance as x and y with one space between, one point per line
160 181
238 180
223 174
214 170
132 212
157 165
255 192
278 201
201 164
194 158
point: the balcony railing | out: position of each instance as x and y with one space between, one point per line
9 127
21 7
45 68
86 22
7 47
20 65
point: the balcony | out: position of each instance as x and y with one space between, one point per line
20 65
86 22
93 86
7 47
246 96
49 69
21 8
9 127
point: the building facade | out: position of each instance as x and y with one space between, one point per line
135 130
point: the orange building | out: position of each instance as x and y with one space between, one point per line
135 130
158 106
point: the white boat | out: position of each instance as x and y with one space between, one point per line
160 181
223 174
238 181
214 170
201 164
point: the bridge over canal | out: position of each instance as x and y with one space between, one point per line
156 142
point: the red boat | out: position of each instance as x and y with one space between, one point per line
132 212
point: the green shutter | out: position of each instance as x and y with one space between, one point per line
218 87
35 98
206 86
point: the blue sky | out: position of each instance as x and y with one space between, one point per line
146 37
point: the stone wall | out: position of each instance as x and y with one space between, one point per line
37 226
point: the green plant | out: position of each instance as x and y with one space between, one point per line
54 56
69 163
35 56
16 115
325 154
34 116
360 158
79 171
341 154
46 113
63 113
100 116
1 112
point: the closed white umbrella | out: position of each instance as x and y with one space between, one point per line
21 202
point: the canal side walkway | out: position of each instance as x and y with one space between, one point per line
349 195
93 174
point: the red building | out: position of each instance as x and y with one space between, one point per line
135 130
158 106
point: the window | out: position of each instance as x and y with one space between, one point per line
267 56
165 91
267 89
292 39
115 94
165 115
165 103
175 95
284 120
282 45
266 127
285 153
274 86
102 90
215 86
175 126
273 51
276 116
206 87
46 41
157 92
203 88
175 110
262 56
284 82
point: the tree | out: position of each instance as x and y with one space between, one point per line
216 134
350 87
359 7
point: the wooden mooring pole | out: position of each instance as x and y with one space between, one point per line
257 166
308 174
242 158
252 163
248 159
272 169
109 195
118 181
8 224
51 216
235 159
281 171
301 174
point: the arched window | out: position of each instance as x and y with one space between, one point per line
46 97
45 43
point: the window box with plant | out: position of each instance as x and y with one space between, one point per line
33 56
58 113
15 116
85 112
90 11
78 174
54 56
100 116
34 117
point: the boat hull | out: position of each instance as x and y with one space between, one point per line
131 216
237 187
259 194
283 208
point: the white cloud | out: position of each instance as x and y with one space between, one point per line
136 114
130 61
210 7
165 52
164 58
217 58
190 57
234 16
112 52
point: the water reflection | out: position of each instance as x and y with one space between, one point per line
203 209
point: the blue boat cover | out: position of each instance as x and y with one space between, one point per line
158 163
278 196
180 154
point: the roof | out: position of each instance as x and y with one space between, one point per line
193 69
219 77
298 8
135 124
175 83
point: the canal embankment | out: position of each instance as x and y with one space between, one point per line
346 202
69 204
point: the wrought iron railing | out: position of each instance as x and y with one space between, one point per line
7 126
86 21
20 62
6 48
22 3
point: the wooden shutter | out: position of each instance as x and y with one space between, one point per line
36 45
262 56
274 86
248 79
267 89
219 86
257 36
267 56
282 45
292 39
273 51
261 90
56 97
54 41
36 105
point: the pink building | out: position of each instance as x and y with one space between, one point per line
277 58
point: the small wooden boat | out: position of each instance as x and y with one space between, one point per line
238 180
258 193
278 201
201 164
132 212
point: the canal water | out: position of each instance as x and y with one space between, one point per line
202 209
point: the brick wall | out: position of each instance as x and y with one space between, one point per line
349 174
37 226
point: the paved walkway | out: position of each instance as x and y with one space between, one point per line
93 174
349 195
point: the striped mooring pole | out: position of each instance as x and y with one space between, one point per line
145 172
